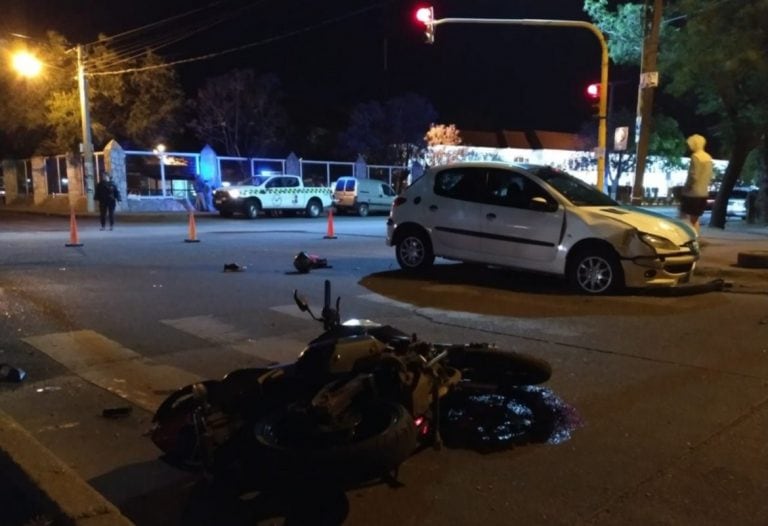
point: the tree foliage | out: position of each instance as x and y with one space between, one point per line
43 115
716 57
712 57
240 114
622 27
443 135
389 132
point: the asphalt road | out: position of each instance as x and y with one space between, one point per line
665 396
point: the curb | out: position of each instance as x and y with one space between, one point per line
50 489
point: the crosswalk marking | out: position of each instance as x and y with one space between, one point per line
207 328
111 366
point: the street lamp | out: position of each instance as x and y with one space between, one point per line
160 152
26 64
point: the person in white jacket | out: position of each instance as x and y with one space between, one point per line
693 198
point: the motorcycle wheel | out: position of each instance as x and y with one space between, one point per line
486 421
502 368
173 427
383 438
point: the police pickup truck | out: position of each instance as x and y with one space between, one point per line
272 193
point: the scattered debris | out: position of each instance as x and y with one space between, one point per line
304 262
233 267
47 388
11 374
117 412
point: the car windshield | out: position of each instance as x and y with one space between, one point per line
572 188
256 180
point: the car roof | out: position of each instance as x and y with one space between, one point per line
487 164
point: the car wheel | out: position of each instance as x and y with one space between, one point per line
252 209
314 208
595 270
362 209
414 251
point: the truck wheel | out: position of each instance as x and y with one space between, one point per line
314 208
252 208
362 209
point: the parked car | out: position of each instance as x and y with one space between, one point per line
737 201
362 196
537 218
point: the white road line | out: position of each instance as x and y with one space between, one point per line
272 349
207 328
111 366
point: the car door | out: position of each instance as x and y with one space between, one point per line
521 222
452 212
384 197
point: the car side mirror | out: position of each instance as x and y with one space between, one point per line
540 204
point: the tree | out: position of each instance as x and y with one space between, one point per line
442 135
726 76
240 114
712 55
389 132
623 29
127 101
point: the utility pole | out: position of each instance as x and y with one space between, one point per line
85 117
649 79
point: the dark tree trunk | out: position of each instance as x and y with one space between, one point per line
741 148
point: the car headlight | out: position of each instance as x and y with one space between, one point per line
658 242
234 193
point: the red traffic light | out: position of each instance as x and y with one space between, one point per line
593 91
425 15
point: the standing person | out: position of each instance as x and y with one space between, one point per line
693 198
107 195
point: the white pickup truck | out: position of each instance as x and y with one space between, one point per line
270 194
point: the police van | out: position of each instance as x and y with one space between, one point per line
362 196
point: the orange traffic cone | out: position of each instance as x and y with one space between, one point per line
73 239
330 234
192 238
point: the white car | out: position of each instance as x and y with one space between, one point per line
537 218
737 202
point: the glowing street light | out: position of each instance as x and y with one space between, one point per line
26 64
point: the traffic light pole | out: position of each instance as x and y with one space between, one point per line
603 108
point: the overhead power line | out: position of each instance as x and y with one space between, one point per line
241 47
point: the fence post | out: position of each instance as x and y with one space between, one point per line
39 180
114 164
361 167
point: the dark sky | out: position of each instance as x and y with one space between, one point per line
329 58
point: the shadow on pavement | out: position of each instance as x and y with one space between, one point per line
501 292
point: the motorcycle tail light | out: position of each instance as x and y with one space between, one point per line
399 200
422 425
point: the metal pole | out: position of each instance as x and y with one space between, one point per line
85 117
602 130
162 173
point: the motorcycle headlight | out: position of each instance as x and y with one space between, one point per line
234 193
658 242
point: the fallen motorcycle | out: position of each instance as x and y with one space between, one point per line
358 401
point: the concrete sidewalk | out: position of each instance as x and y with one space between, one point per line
37 483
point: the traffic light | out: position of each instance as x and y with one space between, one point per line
593 94
426 15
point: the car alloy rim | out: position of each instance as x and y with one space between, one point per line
594 274
412 251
